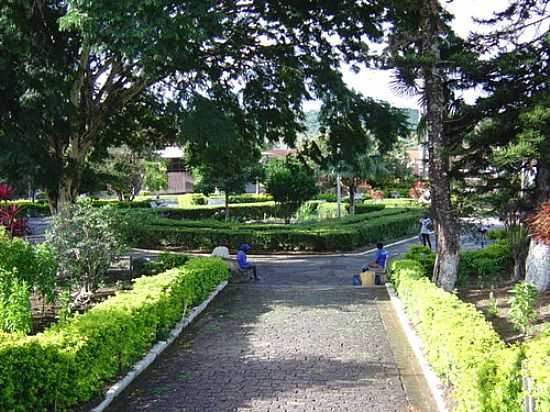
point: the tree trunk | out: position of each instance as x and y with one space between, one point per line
351 199
542 182
537 265
446 264
226 206
519 268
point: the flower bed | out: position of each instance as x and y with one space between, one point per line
70 362
464 350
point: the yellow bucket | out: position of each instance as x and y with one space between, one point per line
367 278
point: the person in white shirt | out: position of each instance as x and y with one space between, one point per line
426 230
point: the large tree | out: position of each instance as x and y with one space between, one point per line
355 133
220 148
423 50
71 70
504 135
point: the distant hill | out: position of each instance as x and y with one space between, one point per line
312 122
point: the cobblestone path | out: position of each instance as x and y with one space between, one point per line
301 339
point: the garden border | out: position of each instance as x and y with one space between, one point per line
433 381
115 390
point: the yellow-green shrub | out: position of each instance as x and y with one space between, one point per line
71 362
537 366
466 352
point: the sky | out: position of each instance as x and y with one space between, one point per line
377 83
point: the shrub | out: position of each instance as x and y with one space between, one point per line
291 183
342 234
423 255
367 208
496 234
537 359
459 343
463 348
239 212
15 310
485 265
522 306
34 265
71 362
250 198
164 262
192 199
85 240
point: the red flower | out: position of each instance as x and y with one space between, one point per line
5 191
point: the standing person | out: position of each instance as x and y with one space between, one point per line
243 261
426 230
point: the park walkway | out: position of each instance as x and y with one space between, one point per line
301 339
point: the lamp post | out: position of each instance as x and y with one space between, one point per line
338 182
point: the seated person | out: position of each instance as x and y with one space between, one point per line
243 261
221 251
380 260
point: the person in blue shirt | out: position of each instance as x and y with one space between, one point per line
243 260
380 260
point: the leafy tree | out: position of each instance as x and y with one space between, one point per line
224 155
504 136
155 177
98 71
290 182
124 172
355 133
421 46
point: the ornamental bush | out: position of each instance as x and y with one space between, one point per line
72 362
85 239
464 350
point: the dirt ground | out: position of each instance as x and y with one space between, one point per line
501 323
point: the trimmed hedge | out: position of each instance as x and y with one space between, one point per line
464 350
250 198
71 362
241 212
41 208
345 234
537 366
486 264
368 208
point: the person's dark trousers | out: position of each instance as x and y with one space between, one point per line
426 240
253 267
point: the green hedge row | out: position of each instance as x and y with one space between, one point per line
241 212
483 265
41 208
71 362
347 234
465 351
368 208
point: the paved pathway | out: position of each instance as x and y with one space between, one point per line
301 339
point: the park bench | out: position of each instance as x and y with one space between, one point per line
238 275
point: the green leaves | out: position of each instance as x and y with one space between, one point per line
290 182
522 305
72 361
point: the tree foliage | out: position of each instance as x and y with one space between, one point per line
290 182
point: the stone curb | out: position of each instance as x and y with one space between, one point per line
416 344
155 351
